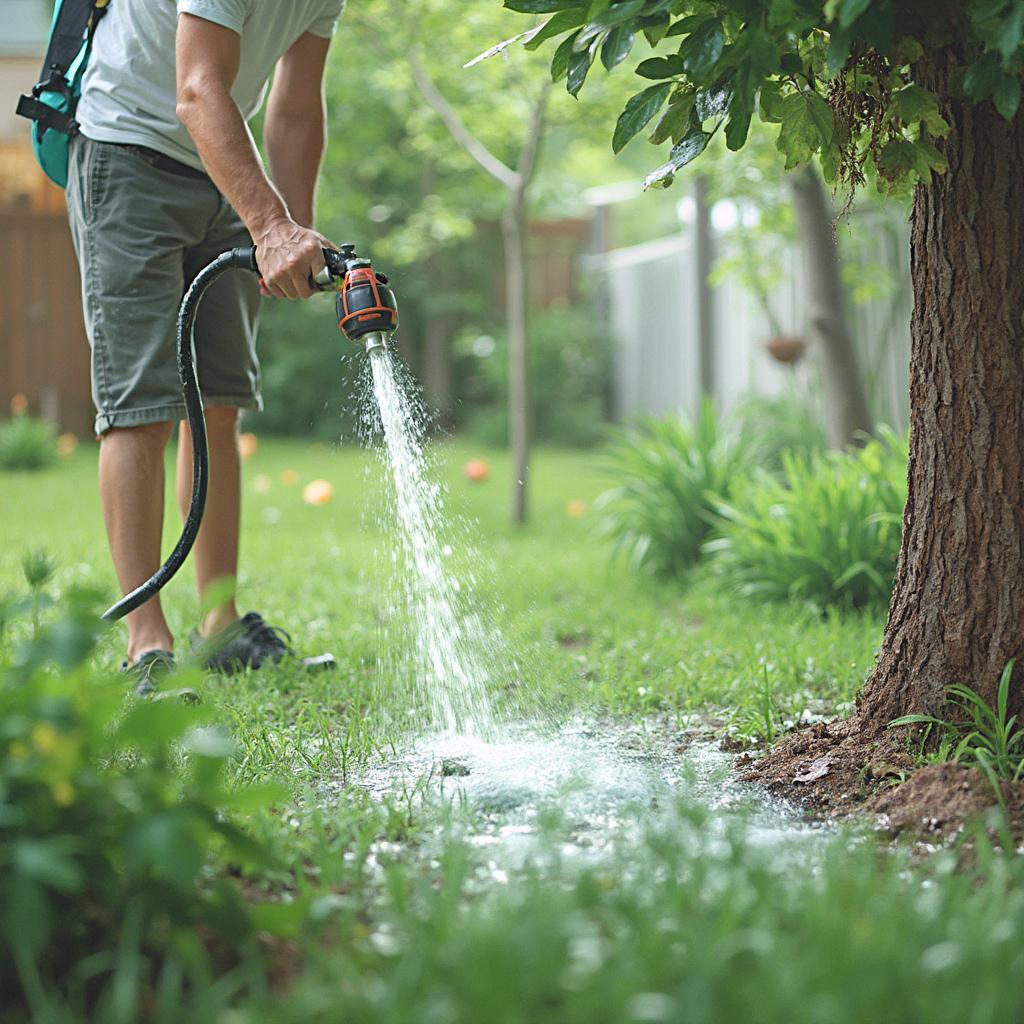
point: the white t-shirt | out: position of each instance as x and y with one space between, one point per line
129 93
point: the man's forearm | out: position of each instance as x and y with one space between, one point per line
230 156
295 149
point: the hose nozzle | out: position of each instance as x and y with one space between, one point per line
375 341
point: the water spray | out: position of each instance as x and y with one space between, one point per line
367 315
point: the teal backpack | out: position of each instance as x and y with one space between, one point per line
51 106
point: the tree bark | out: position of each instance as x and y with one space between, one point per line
846 403
437 332
957 613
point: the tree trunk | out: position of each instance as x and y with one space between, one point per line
846 403
437 331
957 613
513 234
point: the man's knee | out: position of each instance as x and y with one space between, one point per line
157 434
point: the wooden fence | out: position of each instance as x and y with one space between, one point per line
44 353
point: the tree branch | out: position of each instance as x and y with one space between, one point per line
463 136
531 145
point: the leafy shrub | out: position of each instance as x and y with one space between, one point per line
26 443
769 427
114 836
569 366
671 470
827 531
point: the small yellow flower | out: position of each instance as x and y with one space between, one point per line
44 737
63 793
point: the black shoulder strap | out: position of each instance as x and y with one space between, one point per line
73 19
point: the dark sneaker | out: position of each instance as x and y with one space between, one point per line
250 643
147 670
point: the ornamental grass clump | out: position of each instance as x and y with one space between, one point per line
826 531
671 471
26 443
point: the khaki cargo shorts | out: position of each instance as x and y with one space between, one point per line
142 230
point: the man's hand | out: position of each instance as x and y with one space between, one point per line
288 256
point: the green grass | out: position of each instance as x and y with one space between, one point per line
389 910
590 634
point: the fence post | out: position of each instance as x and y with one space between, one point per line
704 259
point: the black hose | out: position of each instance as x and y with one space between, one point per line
243 258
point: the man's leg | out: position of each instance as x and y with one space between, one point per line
216 549
131 469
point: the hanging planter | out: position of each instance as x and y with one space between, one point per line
786 348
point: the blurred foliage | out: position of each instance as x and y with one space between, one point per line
570 376
771 427
26 443
670 472
827 532
111 819
310 372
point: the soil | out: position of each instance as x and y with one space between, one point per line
831 771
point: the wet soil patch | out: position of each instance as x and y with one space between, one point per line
834 772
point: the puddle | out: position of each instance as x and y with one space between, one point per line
576 794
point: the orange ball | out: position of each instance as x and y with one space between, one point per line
576 509
289 477
247 445
317 492
66 445
476 470
19 404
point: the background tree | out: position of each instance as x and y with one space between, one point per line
925 92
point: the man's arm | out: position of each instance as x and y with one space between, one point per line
294 130
207 62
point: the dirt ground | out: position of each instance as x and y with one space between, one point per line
830 771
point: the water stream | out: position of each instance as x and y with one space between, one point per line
601 781
450 674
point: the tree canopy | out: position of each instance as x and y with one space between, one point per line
838 77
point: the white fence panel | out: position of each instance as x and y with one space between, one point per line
651 294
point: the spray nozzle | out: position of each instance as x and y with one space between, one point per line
367 310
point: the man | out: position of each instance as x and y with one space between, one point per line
163 176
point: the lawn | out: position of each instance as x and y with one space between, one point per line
601 868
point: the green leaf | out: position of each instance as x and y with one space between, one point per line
738 124
839 43
560 61
1006 95
639 111
683 152
661 67
712 102
684 26
616 47
614 15
1010 33
563 21
47 861
915 105
983 76
770 103
806 127
701 50
674 123
656 28
579 65
851 10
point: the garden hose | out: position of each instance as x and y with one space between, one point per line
367 314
